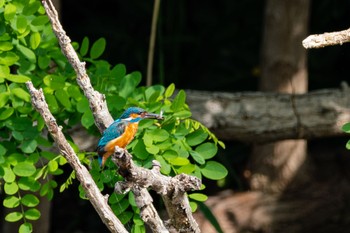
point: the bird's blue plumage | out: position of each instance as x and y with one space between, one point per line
113 131
121 131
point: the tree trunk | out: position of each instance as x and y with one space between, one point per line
284 70
251 116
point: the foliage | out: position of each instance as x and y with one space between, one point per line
346 129
29 51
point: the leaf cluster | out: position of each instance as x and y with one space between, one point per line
29 51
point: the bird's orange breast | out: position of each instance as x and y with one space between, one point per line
124 139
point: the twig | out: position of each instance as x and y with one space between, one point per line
97 101
92 192
152 43
327 39
172 190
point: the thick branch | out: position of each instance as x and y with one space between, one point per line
172 189
327 39
92 192
264 117
97 101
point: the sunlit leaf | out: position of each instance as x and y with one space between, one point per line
213 170
13 217
24 169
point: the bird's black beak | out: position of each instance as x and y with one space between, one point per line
148 115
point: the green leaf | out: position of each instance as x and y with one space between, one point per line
193 206
2 150
55 82
40 20
87 120
346 127
74 92
11 202
17 78
5 113
125 217
98 48
138 229
63 98
51 101
179 101
84 48
207 150
31 8
198 197
30 200
210 216
140 150
24 169
213 170
187 169
129 83
9 176
28 184
4 97
34 40
27 53
118 72
120 207
14 217
8 58
170 90
11 188
52 165
196 137
83 105
197 157
179 161
22 94
25 228
347 146
158 135
6 46
21 24
29 146
32 214
165 167
43 61
10 11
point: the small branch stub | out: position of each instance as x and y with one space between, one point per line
327 39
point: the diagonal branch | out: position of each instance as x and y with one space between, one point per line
97 101
327 39
92 192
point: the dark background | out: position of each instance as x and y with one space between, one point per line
202 45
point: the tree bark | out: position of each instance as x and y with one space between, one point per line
266 117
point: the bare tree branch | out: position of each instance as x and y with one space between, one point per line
92 192
327 39
97 101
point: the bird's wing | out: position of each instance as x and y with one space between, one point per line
113 131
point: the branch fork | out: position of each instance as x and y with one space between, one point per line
172 189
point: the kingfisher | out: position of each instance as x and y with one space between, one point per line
122 131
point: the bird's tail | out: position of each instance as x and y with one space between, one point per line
100 151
